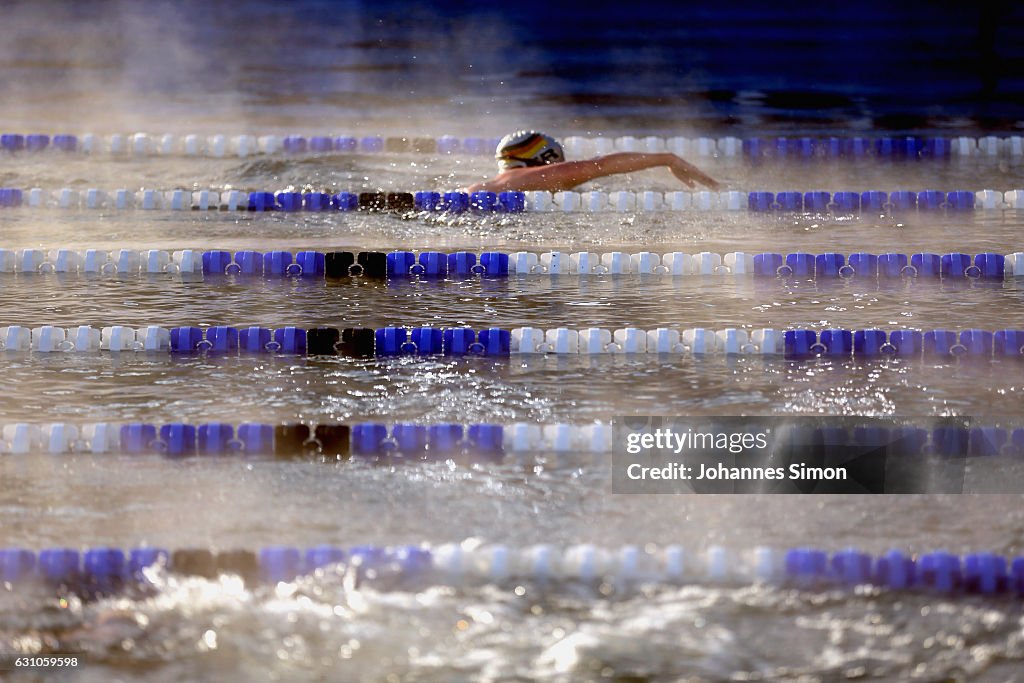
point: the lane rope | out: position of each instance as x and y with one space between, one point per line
856 148
435 264
482 441
101 570
843 202
364 342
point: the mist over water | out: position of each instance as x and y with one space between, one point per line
465 68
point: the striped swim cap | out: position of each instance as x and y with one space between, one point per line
528 148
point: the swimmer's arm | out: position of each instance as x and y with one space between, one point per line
569 174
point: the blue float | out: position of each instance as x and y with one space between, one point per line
851 567
869 342
906 343
140 559
817 201
837 342
312 263
37 143
806 566
346 143
428 340
988 266
316 201
16 564
431 264
454 202
186 339
954 265
936 148
895 571
950 442
262 201
65 143
458 341
289 201
368 438
862 264
249 262
986 441
847 202
512 202
874 201
290 340
831 265
985 573
214 438
767 264
295 144
960 200
321 143
345 201
977 342
493 264
789 201
800 264
409 439
427 201
216 262
280 563
495 342
255 437
760 201
939 572
1009 343
800 343
12 142
322 556
486 438
445 438
400 263
902 201
221 339
940 343
462 263
279 263
753 148
254 339
178 438
371 144
104 568
892 265
11 197
931 200
926 265
391 341
59 565
446 144
483 202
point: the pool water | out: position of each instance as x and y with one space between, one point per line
330 627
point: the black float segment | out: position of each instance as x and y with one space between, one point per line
338 263
357 342
322 341
334 439
290 439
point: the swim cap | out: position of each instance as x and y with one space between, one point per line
528 148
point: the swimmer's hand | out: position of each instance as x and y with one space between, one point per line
689 174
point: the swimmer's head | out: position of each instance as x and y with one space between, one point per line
528 148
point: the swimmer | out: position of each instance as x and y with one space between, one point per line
529 160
